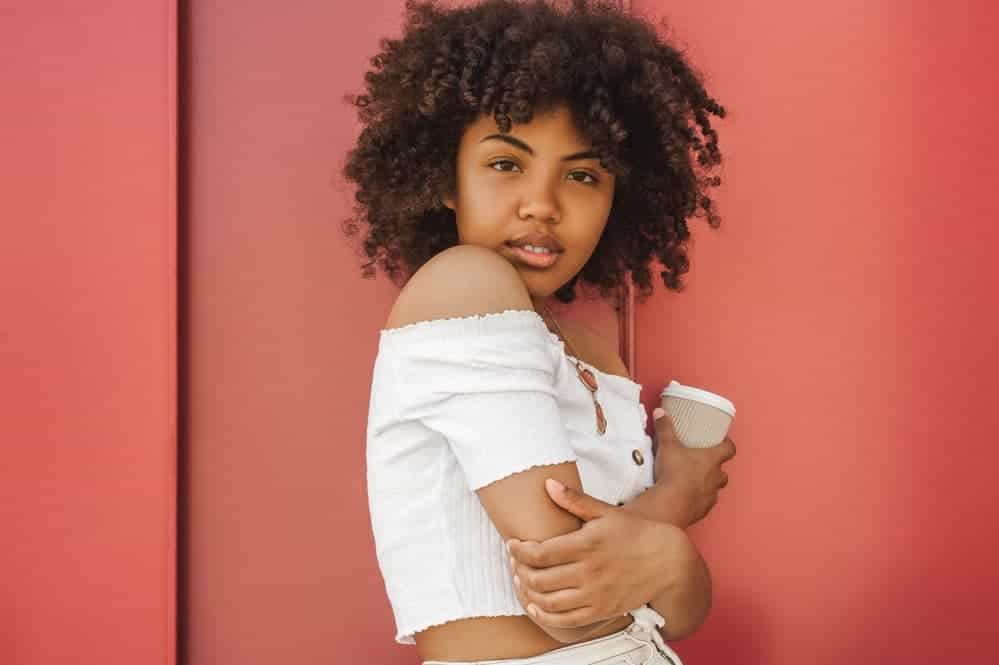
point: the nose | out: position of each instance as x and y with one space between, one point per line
540 204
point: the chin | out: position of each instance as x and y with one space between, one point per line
539 291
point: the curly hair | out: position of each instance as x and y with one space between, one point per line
633 96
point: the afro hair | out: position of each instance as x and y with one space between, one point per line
631 94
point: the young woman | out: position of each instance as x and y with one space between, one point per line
510 153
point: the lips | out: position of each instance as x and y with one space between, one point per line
532 259
537 240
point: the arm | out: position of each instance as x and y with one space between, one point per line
636 561
465 281
661 503
644 558
686 601
686 604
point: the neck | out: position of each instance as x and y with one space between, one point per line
543 306
539 303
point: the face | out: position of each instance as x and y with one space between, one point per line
540 178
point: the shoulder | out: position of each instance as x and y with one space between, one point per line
460 281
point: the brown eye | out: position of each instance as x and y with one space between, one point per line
502 161
593 180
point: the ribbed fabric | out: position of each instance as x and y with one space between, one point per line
457 404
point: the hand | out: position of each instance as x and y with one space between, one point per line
695 472
615 562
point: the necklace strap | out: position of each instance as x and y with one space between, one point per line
585 375
561 334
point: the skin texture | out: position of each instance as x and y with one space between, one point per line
604 568
495 201
504 191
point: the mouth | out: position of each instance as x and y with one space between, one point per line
534 259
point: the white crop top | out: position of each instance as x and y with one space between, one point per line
455 405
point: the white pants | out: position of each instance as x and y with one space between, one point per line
638 644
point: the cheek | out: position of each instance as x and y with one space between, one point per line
480 217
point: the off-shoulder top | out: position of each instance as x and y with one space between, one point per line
457 404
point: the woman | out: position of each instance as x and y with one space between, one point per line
510 151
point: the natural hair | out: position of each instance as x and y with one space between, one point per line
631 94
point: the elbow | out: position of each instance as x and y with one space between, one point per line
690 625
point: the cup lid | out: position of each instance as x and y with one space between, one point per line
677 389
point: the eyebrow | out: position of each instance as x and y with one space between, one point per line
517 143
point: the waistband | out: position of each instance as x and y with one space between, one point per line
643 633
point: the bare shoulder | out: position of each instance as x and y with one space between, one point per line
460 281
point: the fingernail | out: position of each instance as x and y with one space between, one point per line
559 486
516 581
658 413
513 564
533 610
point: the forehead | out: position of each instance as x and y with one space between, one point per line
548 131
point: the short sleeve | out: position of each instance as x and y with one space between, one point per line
487 384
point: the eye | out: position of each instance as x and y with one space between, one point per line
592 179
502 161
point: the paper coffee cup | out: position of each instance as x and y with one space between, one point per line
701 418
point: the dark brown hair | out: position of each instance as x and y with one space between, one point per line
630 93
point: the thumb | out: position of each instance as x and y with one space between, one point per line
580 504
665 432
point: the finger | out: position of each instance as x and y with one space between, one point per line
580 504
726 450
665 432
582 616
557 550
563 600
546 580
521 593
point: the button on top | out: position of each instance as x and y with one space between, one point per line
637 456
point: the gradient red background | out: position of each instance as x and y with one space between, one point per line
88 332
847 306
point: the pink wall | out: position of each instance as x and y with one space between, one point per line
848 307
279 562
277 550
842 306
88 336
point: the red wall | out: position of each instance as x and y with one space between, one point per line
848 305
843 306
88 333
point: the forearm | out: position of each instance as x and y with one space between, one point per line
682 601
686 605
661 503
